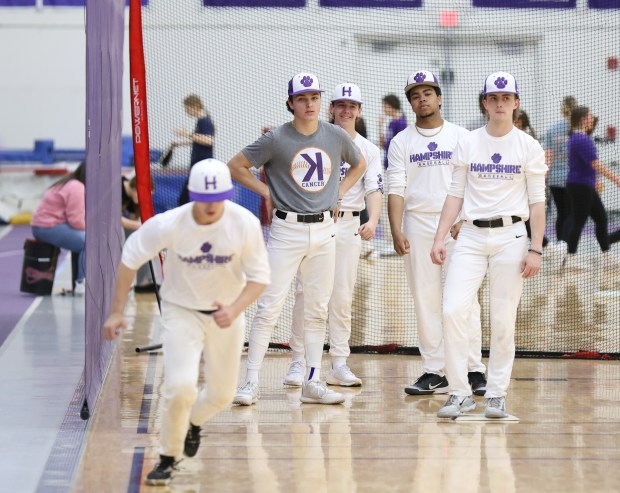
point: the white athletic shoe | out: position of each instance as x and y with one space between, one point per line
496 408
80 288
343 376
455 405
557 253
296 373
247 394
315 392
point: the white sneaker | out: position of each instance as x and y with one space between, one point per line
247 394
455 405
343 376
296 373
496 408
80 288
557 251
315 392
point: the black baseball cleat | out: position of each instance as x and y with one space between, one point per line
429 383
192 441
162 472
478 382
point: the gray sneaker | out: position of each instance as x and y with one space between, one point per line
295 374
315 392
247 394
496 408
455 405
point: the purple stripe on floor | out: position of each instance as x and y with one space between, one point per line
13 303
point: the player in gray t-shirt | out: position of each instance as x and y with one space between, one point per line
302 164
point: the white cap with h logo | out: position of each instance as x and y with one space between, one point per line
210 181
347 92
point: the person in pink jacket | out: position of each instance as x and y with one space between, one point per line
60 218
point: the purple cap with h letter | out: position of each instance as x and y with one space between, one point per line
500 82
210 181
347 92
422 78
301 83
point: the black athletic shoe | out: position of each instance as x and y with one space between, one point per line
429 383
478 382
162 472
192 441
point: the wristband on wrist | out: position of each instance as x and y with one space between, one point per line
535 251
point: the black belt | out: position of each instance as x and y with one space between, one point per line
353 213
494 223
207 312
305 218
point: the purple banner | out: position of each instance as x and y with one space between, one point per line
372 3
17 3
72 3
254 3
526 4
604 4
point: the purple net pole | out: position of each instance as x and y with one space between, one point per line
104 69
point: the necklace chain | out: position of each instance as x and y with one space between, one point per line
431 135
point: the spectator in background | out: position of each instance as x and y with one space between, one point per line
201 139
556 142
395 123
523 123
482 118
584 167
130 220
60 218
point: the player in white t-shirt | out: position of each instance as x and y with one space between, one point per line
345 109
216 265
418 177
497 184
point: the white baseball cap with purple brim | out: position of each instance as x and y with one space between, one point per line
302 83
210 181
500 82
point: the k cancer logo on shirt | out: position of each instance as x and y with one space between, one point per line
495 170
311 168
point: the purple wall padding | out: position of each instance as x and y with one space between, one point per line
104 69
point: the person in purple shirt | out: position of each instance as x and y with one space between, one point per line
397 123
584 167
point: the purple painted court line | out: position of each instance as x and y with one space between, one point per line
13 303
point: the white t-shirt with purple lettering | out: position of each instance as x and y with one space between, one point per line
372 181
498 176
204 263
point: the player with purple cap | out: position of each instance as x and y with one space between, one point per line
344 110
216 265
497 184
418 176
302 166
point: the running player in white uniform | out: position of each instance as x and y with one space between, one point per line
302 160
216 265
497 184
345 109
418 177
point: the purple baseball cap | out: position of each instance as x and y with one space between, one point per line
210 181
305 82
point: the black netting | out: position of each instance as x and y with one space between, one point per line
238 60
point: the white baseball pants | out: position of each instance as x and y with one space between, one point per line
426 284
499 251
348 249
311 249
186 335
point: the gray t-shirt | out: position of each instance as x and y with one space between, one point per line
303 171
